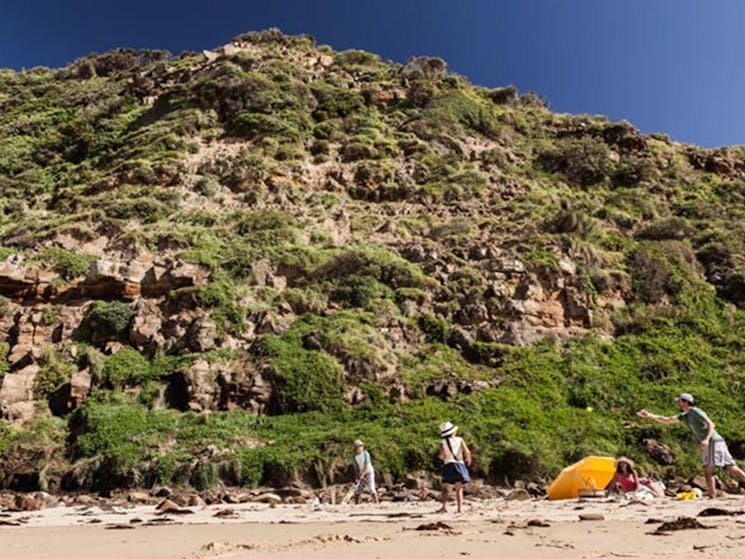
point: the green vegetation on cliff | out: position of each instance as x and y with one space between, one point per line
227 266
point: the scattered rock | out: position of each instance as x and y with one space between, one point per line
659 452
714 511
431 526
681 523
591 516
25 502
271 498
162 492
85 501
517 494
698 481
196 501
226 513
140 498
416 480
169 507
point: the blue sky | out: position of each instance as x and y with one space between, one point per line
673 66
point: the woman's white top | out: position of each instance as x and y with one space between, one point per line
456 443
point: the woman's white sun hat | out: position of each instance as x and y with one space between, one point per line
447 429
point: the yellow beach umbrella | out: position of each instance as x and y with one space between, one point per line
593 472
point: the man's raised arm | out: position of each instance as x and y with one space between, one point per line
658 418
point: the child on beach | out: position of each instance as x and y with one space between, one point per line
364 472
456 457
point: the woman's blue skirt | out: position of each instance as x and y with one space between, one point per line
454 472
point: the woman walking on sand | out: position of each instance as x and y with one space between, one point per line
456 457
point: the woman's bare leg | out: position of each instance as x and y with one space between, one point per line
459 495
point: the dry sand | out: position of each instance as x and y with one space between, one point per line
495 528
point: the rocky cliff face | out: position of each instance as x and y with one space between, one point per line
277 228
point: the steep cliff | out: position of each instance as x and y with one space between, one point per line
226 265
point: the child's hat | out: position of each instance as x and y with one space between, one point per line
447 429
358 443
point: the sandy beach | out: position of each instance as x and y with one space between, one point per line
535 529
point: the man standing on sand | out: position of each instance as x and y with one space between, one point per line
714 451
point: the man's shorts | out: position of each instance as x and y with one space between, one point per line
367 481
717 454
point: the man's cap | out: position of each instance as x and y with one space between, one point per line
685 397
358 443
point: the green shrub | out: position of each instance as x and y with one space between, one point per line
354 57
221 295
110 430
635 170
106 321
359 291
6 436
380 264
204 476
5 252
503 95
146 210
126 367
436 330
661 269
50 314
584 161
55 371
307 379
467 110
285 125
335 102
4 351
673 228
274 36
571 221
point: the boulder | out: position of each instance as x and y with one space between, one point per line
202 386
24 502
167 275
270 498
424 67
201 335
19 281
109 278
698 481
145 329
518 494
472 313
167 505
19 413
659 452
18 386
196 501
141 498
416 480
